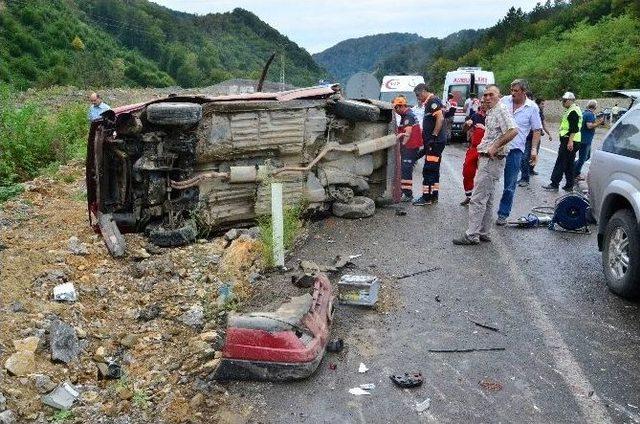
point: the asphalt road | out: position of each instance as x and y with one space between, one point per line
571 348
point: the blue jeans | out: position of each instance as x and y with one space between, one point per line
511 170
525 166
583 155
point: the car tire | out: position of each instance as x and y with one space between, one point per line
355 111
181 236
621 254
358 207
174 113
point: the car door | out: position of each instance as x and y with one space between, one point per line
617 167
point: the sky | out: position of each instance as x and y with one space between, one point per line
319 24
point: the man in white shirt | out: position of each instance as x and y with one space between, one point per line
527 117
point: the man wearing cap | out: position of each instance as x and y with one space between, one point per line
434 139
500 129
569 144
410 139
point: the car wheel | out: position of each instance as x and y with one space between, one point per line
174 113
358 207
181 236
621 254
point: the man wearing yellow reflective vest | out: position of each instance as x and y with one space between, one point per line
569 144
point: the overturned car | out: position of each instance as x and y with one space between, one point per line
182 165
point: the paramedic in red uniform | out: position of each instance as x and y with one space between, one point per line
410 139
470 166
434 139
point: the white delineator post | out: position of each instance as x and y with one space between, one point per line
277 223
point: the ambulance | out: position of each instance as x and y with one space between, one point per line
395 85
461 83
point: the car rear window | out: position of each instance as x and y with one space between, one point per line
624 139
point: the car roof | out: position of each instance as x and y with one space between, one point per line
632 93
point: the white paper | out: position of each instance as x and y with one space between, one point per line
362 368
358 391
423 406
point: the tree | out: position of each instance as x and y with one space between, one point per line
77 44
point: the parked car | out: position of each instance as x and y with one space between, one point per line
176 167
614 192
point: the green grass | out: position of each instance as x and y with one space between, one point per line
35 139
62 416
292 225
141 399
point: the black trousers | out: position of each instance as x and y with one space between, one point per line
565 164
431 170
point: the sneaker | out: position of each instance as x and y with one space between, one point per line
465 240
501 221
533 172
523 183
421 201
568 189
485 237
550 187
405 198
466 201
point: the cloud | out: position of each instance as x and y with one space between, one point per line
320 24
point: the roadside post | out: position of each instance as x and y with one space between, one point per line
277 223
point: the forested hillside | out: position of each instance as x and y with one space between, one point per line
95 43
581 45
411 58
362 54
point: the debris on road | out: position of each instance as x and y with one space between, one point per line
298 332
362 368
358 391
63 341
407 380
401 212
332 366
62 397
465 350
490 385
335 346
65 293
424 405
483 325
340 261
424 271
437 298
303 281
368 386
358 289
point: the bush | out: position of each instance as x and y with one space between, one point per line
34 137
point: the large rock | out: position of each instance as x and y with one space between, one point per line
63 341
358 207
8 417
21 363
30 344
194 317
43 383
76 247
